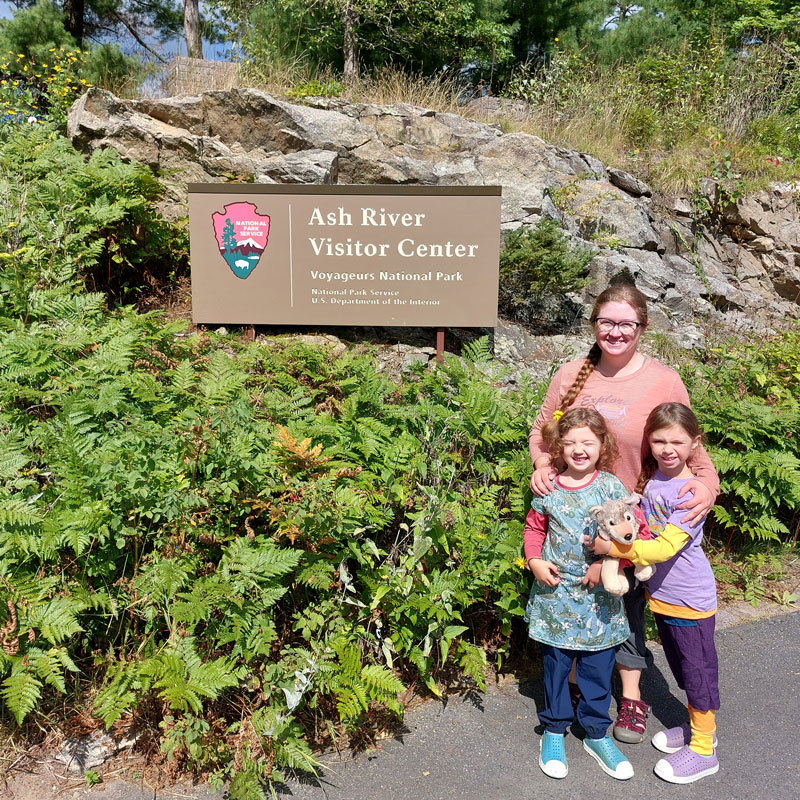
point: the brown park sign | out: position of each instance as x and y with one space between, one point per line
344 255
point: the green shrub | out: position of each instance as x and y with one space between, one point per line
67 222
44 70
261 539
315 88
261 542
746 396
539 267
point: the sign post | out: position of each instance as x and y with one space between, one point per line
344 255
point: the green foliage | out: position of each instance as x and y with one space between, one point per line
66 222
539 266
746 396
46 70
315 88
667 112
257 540
92 778
386 32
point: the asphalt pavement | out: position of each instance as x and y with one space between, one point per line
482 747
485 746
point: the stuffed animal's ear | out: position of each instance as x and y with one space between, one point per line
595 510
632 499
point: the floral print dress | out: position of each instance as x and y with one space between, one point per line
570 615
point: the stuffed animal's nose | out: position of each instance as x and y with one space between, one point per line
628 537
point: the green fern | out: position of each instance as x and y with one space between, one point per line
21 691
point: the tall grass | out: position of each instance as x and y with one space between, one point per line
671 117
674 115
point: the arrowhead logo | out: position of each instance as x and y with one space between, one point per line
242 234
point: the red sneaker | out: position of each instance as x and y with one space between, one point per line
631 724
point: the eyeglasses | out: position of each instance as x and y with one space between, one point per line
626 327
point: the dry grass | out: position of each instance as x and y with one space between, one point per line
605 112
391 86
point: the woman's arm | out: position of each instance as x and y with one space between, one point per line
544 472
700 462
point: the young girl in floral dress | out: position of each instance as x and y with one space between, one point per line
571 621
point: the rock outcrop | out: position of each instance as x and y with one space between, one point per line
741 272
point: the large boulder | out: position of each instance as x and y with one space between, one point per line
742 271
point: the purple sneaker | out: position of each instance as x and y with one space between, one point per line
686 766
673 739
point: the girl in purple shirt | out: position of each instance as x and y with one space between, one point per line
682 593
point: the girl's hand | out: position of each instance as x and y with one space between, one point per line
592 576
545 572
698 505
600 546
542 480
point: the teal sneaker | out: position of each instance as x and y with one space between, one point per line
609 757
552 755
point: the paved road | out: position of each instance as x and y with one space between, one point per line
485 747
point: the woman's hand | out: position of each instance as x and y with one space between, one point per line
545 572
542 480
599 546
698 505
592 577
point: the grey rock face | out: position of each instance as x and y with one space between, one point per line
742 270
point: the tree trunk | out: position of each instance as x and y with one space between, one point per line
191 27
349 22
74 11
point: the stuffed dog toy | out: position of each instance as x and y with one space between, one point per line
616 520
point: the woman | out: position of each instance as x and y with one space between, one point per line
624 385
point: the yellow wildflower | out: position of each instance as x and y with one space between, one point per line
57 68
519 562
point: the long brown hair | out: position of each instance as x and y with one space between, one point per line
616 293
553 433
665 416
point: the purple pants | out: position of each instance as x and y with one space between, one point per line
692 657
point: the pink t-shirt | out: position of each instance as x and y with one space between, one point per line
625 404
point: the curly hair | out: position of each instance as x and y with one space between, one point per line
554 432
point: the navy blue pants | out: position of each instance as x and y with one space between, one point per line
593 671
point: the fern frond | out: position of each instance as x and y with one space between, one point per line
21 691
